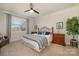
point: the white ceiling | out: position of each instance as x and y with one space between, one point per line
43 8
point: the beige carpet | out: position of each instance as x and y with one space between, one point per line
19 49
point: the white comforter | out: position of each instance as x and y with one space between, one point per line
34 45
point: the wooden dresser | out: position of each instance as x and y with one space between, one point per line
59 38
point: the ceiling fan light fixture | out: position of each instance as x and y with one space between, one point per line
31 11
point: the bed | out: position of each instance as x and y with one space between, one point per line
39 41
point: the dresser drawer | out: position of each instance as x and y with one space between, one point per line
59 39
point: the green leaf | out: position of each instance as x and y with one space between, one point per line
72 26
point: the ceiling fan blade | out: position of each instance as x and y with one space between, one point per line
27 10
36 11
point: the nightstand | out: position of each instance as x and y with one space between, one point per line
33 32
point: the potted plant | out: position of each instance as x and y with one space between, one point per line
72 26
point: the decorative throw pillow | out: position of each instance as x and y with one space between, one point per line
47 33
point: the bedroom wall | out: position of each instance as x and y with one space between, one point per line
60 16
32 22
3 23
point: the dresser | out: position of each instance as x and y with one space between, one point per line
59 38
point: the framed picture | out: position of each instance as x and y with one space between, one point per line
59 25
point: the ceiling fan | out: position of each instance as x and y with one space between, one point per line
31 9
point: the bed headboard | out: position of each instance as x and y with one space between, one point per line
46 29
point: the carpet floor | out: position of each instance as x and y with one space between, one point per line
19 49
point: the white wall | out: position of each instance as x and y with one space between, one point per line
3 25
31 24
60 16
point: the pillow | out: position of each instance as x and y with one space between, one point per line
40 33
47 33
34 34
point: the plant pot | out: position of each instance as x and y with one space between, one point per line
74 43
73 39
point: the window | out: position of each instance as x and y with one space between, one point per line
18 23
